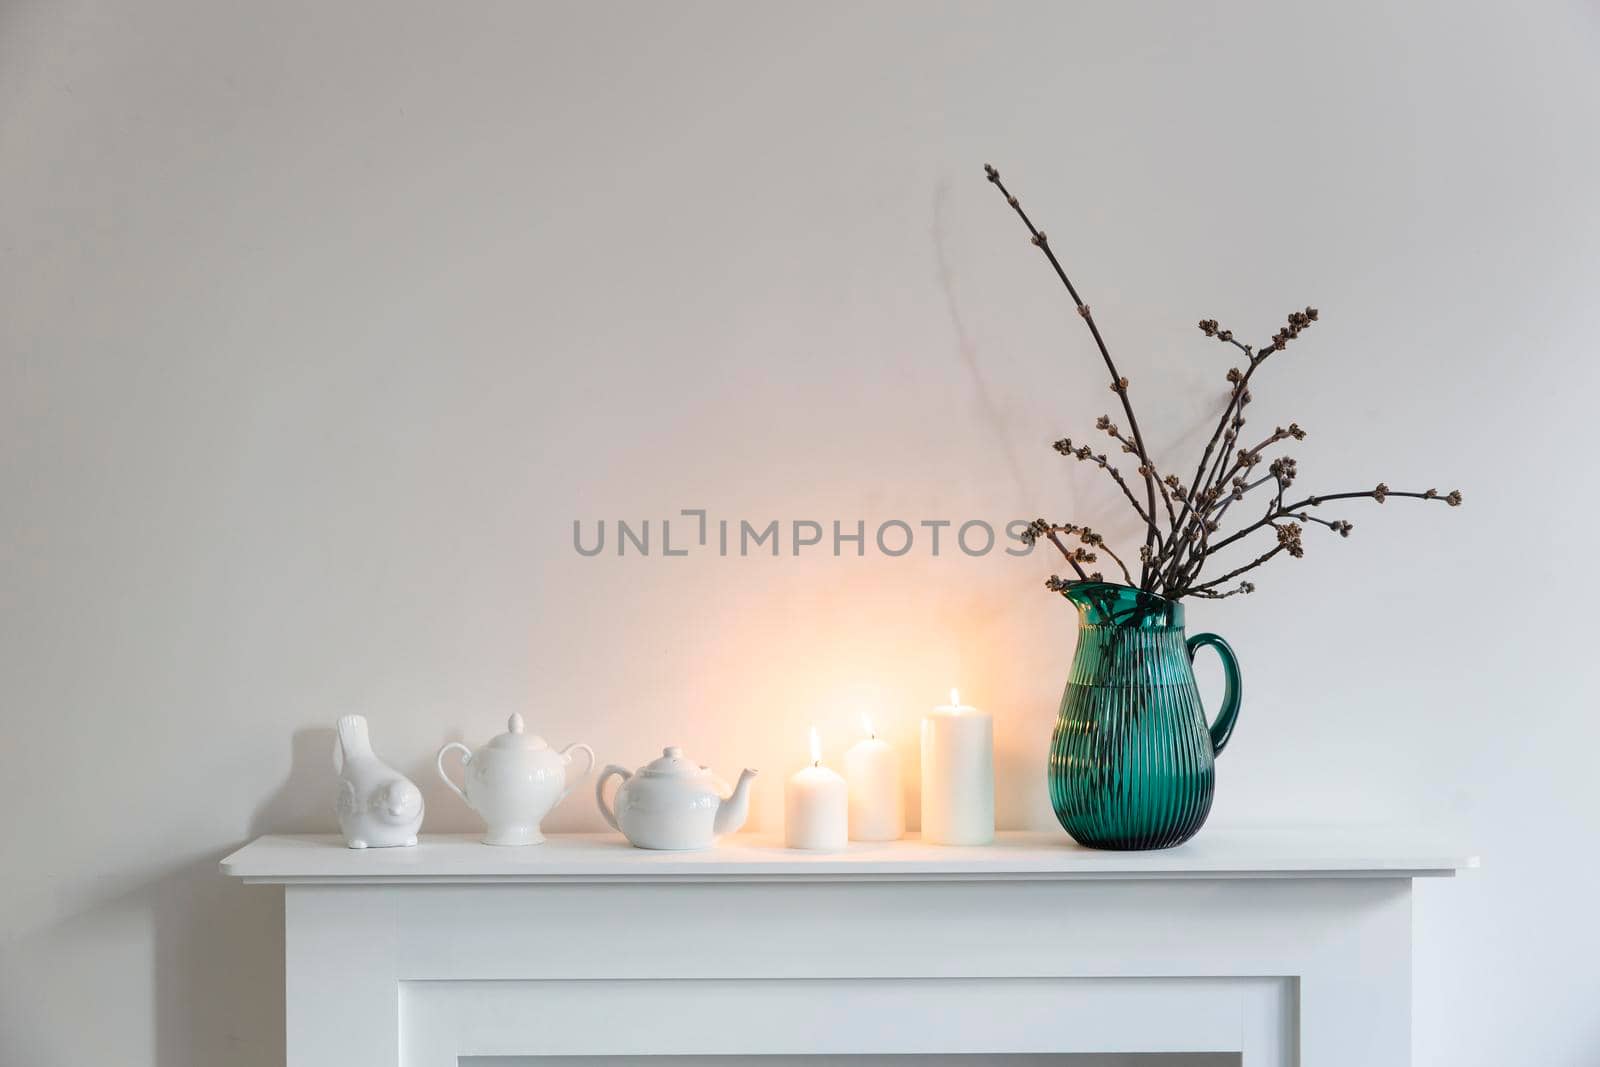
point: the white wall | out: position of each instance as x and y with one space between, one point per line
320 323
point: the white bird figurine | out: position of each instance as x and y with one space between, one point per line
378 806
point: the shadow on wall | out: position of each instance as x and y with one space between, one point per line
989 410
218 944
215 994
218 965
303 804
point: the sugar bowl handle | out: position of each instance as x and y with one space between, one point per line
587 767
466 758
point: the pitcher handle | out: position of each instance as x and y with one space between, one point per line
566 755
1222 726
466 758
606 811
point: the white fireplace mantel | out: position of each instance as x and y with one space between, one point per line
1284 946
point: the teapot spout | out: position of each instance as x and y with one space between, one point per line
734 809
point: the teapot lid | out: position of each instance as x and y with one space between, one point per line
515 738
672 764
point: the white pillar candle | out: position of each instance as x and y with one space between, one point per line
957 775
877 805
816 805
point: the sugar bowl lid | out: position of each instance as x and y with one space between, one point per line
672 763
516 738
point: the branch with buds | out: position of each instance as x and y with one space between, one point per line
1176 552
1119 384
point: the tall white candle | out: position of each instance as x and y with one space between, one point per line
877 805
957 775
816 805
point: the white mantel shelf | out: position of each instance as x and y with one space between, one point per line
1218 852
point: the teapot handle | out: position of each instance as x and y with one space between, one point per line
1222 726
466 758
572 781
607 811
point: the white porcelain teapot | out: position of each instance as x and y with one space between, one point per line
514 781
673 803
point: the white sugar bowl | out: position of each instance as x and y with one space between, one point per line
514 781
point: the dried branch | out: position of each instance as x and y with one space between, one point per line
1119 384
1146 470
1099 542
1281 473
1241 382
1044 528
1338 526
1172 564
1041 528
1252 565
1208 594
1232 413
1068 555
1381 493
1084 453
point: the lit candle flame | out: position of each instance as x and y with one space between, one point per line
816 748
955 697
866 724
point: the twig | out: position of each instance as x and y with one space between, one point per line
1119 384
1104 423
1066 552
1209 594
1240 387
1110 552
1233 410
1252 565
1379 494
1084 453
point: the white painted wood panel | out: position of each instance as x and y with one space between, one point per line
838 1017
1067 1059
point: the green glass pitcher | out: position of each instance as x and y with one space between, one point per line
1132 761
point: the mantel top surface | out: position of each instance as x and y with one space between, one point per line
1258 852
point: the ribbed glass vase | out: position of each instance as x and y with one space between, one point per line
1132 761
